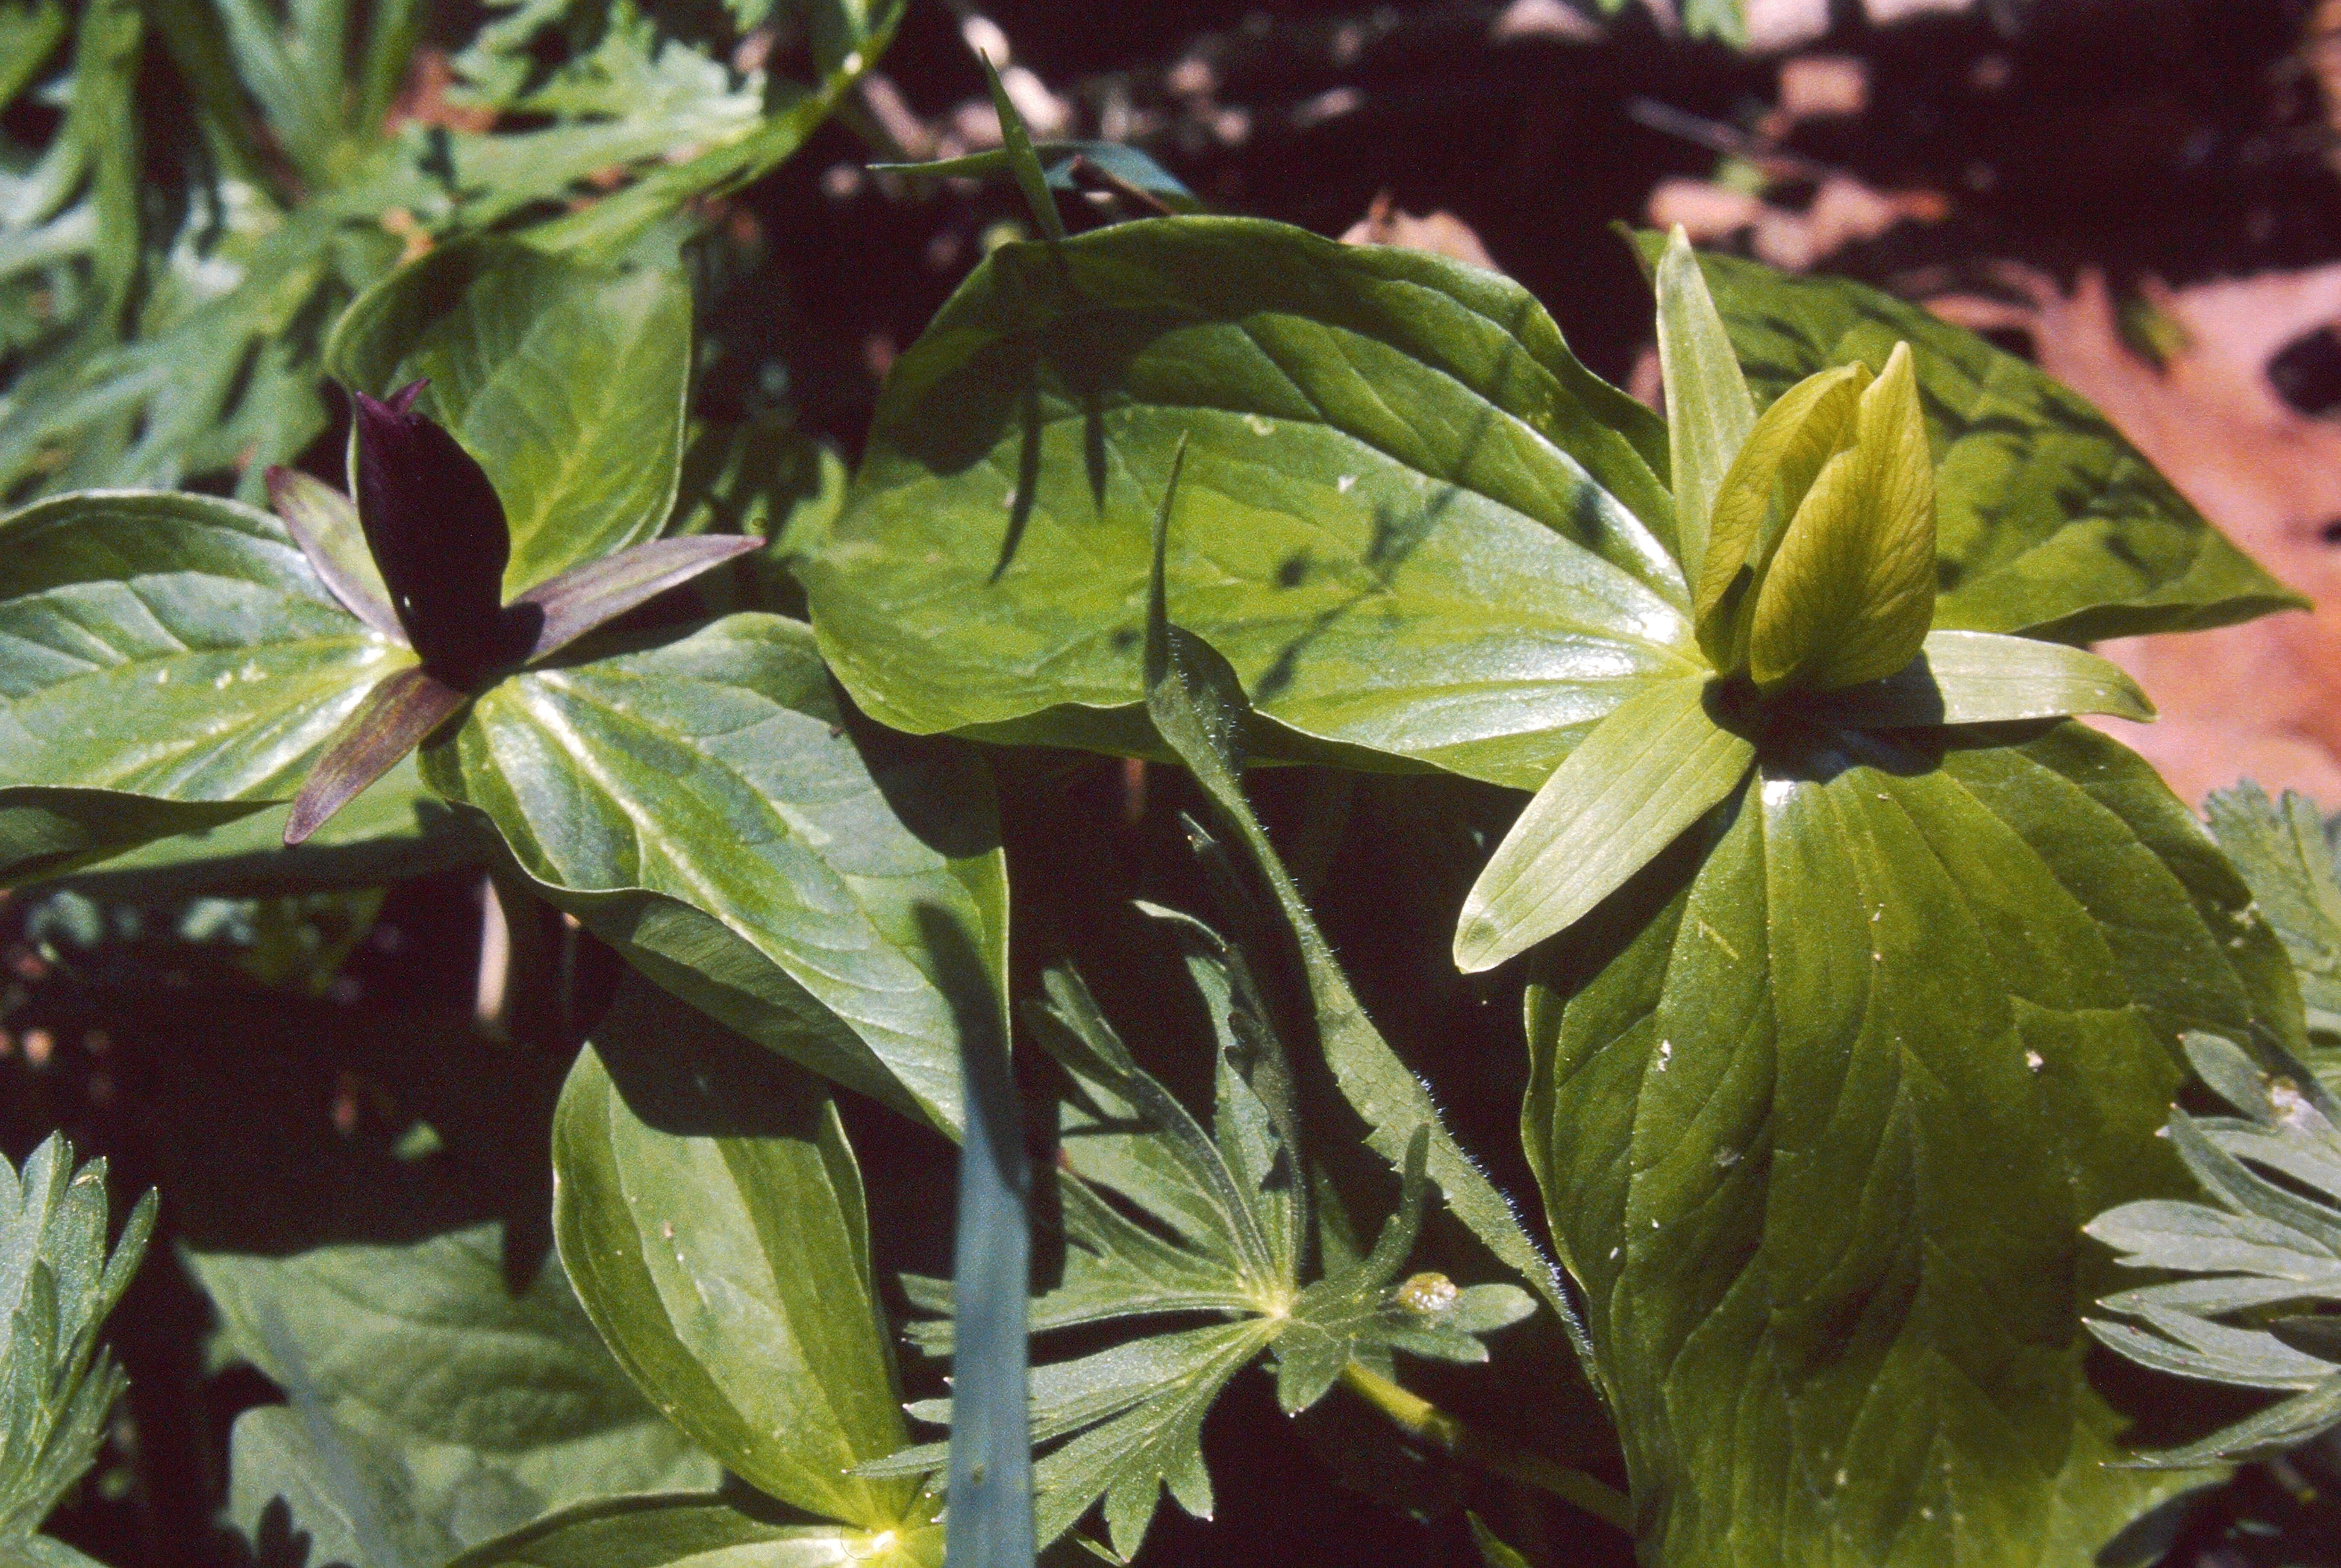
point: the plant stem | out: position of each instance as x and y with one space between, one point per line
1418 1418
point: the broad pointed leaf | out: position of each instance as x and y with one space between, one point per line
682 1530
2050 523
1709 410
169 662
1985 678
567 384
474 1408
1412 521
1820 1138
710 1212
778 887
1657 765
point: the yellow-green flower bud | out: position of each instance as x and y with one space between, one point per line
1820 563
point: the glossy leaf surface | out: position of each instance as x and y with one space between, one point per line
781 888
173 647
1818 1138
458 1408
688 1532
2049 522
566 381
710 1212
1410 518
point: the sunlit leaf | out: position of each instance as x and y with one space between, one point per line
1415 524
1818 1138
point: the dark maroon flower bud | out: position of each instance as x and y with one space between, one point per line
438 534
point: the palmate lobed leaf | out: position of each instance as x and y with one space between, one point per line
1817 1139
2272 1241
1130 1418
2285 852
217 374
58 1281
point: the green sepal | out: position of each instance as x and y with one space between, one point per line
1849 594
1709 410
1031 179
1984 678
1650 770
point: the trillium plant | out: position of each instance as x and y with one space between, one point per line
1809 534
1391 734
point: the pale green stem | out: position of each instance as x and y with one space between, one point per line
1424 1421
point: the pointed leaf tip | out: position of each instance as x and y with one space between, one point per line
436 530
1023 160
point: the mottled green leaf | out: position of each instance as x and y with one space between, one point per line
1818 1138
710 1212
566 381
2050 523
1413 523
165 659
698 800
